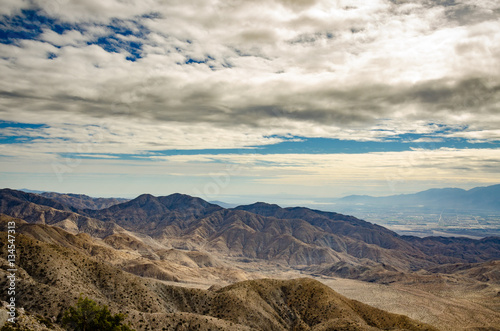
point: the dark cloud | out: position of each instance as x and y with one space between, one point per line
462 12
369 103
361 105
473 95
467 14
297 4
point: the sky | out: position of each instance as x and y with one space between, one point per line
239 100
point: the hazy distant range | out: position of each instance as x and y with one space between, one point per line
441 212
436 212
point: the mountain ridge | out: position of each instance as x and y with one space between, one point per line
316 236
82 201
486 198
293 235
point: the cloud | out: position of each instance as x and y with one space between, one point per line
13 7
470 12
251 70
427 140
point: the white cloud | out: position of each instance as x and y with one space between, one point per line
74 37
427 140
13 7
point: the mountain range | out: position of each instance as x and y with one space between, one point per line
295 236
482 199
144 242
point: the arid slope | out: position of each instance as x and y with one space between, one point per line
51 277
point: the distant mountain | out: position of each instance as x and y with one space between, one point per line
297 236
154 215
224 204
123 255
484 272
330 222
343 224
483 199
82 201
77 201
437 249
469 250
9 198
31 191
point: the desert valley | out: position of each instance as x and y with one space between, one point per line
178 262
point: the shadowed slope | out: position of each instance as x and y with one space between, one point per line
34 208
150 214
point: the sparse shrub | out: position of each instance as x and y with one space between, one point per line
44 320
9 327
88 315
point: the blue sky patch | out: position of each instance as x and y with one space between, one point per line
28 25
123 36
20 138
302 145
27 132
118 39
8 124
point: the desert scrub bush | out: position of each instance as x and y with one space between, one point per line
87 315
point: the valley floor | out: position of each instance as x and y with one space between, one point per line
449 306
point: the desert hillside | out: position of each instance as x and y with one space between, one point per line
51 276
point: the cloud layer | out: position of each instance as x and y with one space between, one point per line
264 64
131 77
